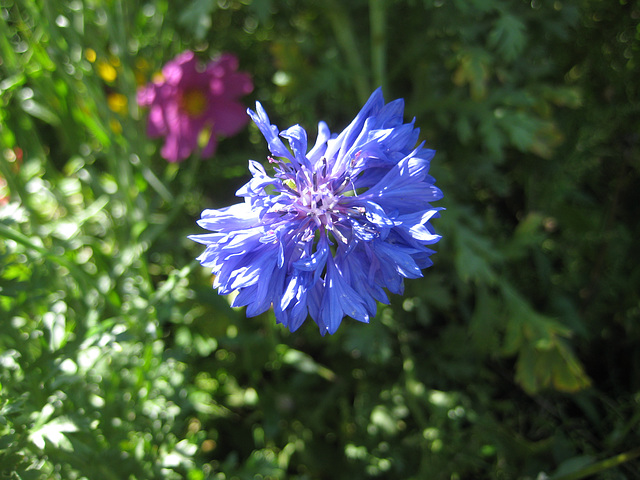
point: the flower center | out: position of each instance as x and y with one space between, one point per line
315 196
194 102
318 203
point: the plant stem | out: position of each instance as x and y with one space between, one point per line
601 466
346 38
378 42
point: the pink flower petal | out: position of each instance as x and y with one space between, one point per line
174 70
156 125
228 116
209 150
146 95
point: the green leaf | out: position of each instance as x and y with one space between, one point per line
567 373
475 256
55 325
38 110
528 234
465 131
492 136
473 70
197 17
573 464
570 97
521 128
382 418
305 363
12 82
544 359
54 432
486 321
508 36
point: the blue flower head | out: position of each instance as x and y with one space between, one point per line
336 224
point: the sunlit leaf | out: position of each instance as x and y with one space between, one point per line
197 17
54 432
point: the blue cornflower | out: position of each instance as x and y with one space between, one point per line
333 227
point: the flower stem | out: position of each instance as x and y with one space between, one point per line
601 466
378 42
346 38
152 234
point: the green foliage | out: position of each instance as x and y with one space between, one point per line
514 357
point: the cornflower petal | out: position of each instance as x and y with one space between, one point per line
297 138
340 300
270 132
320 147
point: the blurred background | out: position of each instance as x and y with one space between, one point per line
517 356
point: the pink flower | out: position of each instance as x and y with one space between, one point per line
14 156
191 106
4 197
